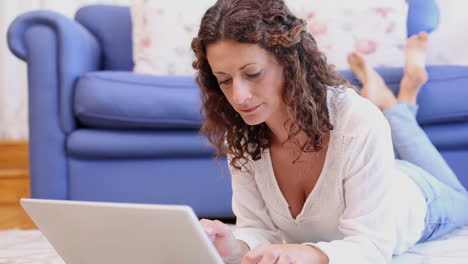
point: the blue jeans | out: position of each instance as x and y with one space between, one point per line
447 199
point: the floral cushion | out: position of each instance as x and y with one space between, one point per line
376 29
163 31
162 34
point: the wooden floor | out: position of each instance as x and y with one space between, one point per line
13 216
14 184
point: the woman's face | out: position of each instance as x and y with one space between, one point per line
250 77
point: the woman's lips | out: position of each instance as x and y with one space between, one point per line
248 110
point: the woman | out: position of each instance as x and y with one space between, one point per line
314 174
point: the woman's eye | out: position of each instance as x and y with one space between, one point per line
255 75
224 82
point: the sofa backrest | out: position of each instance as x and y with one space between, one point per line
112 27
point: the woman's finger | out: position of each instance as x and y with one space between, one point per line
260 254
269 257
284 259
212 238
207 226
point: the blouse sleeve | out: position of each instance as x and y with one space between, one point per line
253 225
368 221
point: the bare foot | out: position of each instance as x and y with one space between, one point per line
373 86
415 74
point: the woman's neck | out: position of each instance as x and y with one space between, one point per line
280 135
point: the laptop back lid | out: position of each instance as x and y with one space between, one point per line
102 232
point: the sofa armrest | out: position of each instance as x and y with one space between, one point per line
423 15
77 52
57 51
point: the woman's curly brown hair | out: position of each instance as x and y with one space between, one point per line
272 26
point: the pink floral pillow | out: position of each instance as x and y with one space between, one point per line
163 31
376 29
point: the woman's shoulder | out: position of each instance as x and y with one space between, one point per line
349 111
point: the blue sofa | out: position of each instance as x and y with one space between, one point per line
99 132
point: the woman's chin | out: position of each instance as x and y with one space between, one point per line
252 121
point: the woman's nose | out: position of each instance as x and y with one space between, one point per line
241 92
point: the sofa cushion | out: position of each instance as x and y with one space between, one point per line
127 144
133 101
448 136
441 99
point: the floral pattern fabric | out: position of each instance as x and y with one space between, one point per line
163 31
375 29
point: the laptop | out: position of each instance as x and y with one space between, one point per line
104 232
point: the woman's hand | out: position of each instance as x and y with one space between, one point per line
285 254
223 239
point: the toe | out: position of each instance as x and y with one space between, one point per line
423 36
350 58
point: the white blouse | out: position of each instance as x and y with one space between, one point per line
363 208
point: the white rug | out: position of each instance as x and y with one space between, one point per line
26 247
449 249
31 247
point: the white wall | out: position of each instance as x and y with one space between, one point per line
448 44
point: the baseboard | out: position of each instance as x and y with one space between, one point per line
14 155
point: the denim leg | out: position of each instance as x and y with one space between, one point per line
446 207
412 144
447 199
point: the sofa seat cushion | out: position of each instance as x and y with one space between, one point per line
109 144
440 99
450 136
134 101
